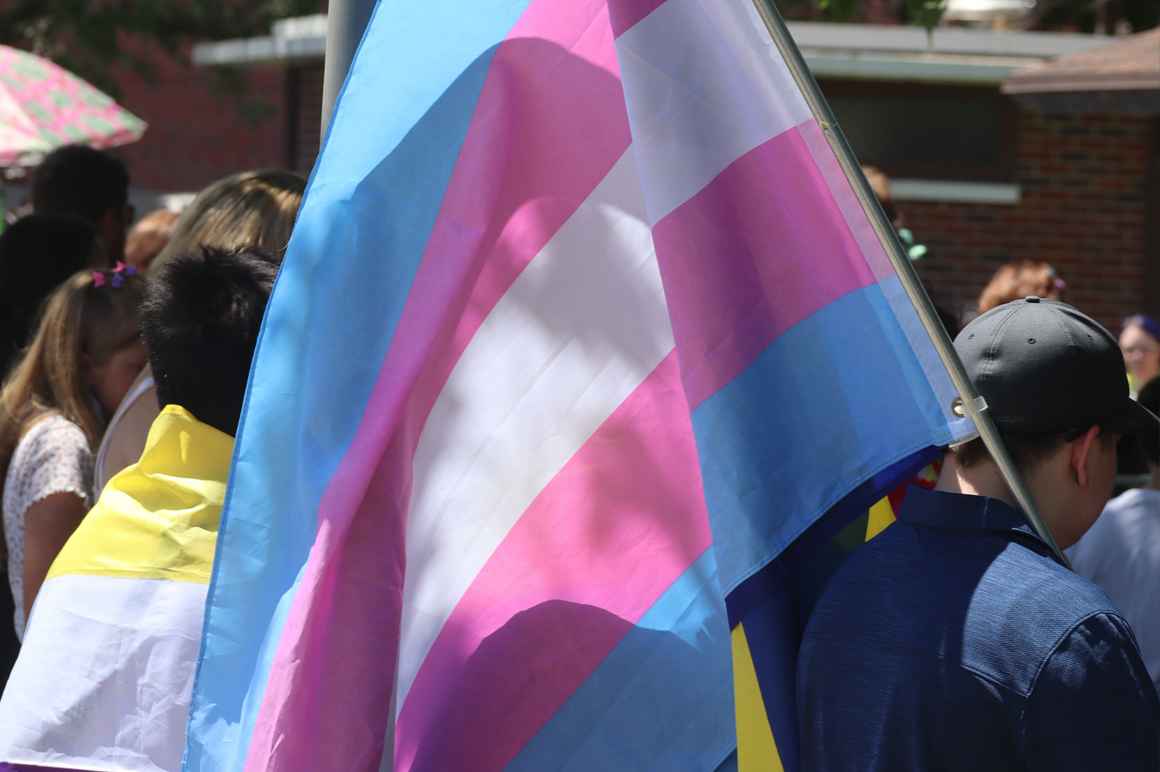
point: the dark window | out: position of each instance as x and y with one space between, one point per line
936 131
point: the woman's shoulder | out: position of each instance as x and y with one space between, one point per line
51 428
51 439
53 456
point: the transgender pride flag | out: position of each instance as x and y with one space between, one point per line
581 326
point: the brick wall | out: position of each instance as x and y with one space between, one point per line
306 115
1088 186
879 12
198 133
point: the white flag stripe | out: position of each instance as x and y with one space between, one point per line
704 85
578 331
141 643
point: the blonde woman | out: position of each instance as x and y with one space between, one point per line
84 354
250 210
245 210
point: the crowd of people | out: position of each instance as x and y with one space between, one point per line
971 643
81 390
958 639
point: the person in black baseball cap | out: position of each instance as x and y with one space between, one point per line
955 640
1055 384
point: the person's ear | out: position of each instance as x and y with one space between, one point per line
1081 454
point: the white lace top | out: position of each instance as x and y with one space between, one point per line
52 457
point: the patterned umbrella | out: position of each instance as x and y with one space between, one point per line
43 106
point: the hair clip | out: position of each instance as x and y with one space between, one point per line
120 271
116 277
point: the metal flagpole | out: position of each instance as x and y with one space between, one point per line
345 22
969 403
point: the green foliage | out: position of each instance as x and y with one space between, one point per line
839 10
87 36
926 13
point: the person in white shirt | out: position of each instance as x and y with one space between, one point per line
1121 552
53 406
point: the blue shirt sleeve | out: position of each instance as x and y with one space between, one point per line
1093 705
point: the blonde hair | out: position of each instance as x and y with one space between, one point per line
249 210
148 237
1018 279
80 320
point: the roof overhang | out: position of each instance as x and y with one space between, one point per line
1122 102
846 51
951 55
1120 76
300 39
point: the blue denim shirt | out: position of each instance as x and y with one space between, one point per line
955 641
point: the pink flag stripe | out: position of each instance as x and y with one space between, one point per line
612 531
742 259
339 643
847 201
529 159
879 262
626 13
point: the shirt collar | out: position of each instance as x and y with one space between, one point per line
961 512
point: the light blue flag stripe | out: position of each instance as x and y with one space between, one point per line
792 434
372 200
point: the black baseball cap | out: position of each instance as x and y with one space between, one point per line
1043 367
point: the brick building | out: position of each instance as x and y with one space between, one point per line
1083 206
1008 145
295 50
980 175
1086 161
200 130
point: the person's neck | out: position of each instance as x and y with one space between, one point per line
985 479
982 479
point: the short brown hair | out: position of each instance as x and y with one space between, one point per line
1018 279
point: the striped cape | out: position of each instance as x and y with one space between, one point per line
581 326
106 669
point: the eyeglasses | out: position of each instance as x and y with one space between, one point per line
1140 349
